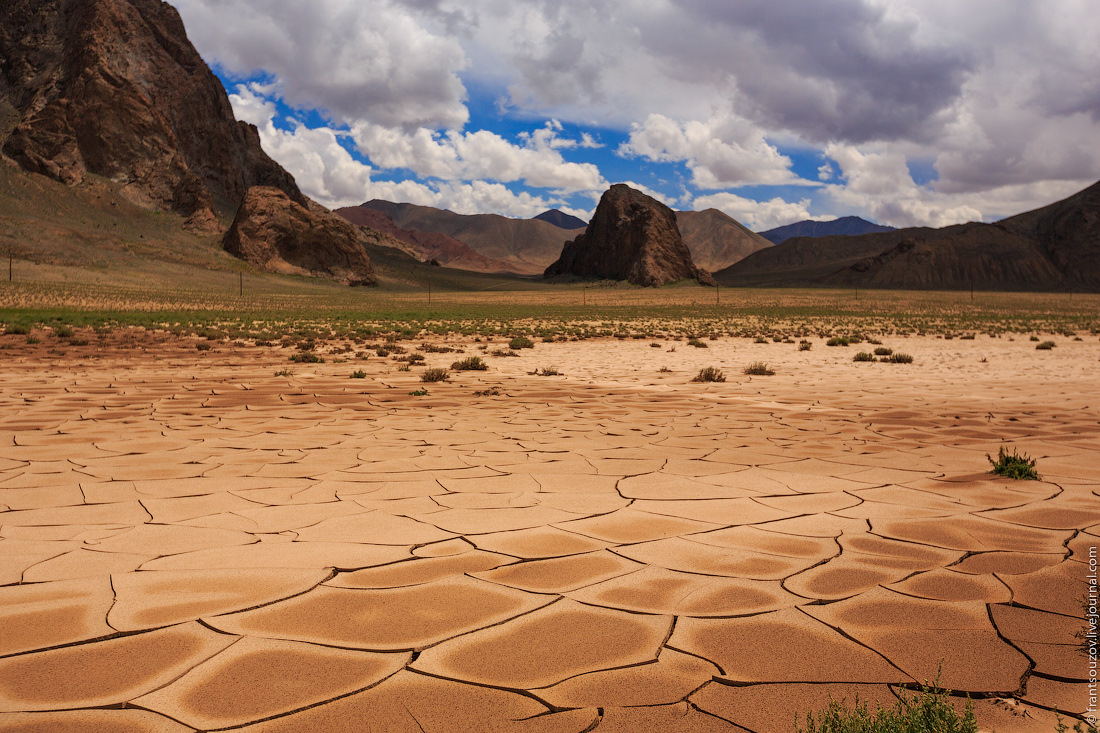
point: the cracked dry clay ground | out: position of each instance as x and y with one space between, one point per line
189 542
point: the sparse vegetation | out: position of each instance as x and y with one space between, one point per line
307 357
925 712
760 340
837 341
805 345
488 392
521 342
435 374
759 369
693 341
864 356
546 372
470 364
883 351
1018 466
203 346
359 374
709 374
284 373
502 352
897 359
665 370
418 393
1045 345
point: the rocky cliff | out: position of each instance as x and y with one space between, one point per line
631 237
114 88
280 235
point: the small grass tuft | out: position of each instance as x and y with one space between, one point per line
897 359
470 364
759 369
864 356
697 343
710 374
805 345
435 374
1018 466
1045 345
359 374
418 393
307 358
547 372
883 351
837 341
489 392
521 342
284 373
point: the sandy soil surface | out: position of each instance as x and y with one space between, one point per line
190 542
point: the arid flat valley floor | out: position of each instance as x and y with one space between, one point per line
191 541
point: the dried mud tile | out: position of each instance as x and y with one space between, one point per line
630 525
764 541
104 672
538 542
446 548
115 721
548 646
315 493
83 563
660 591
948 585
507 484
715 511
374 527
413 703
646 684
162 540
882 608
170 511
846 575
273 519
1050 514
41 497
678 553
1057 589
45 615
819 525
676 718
584 505
784 646
1025 624
1069 698
130 512
339 555
390 619
803 483
256 679
153 599
1006 563
809 503
420 571
665 486
773 708
974 533
558 575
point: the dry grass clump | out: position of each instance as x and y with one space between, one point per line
837 341
502 352
805 345
883 351
435 374
521 342
1045 345
897 359
864 356
709 374
759 369
470 364
697 343
549 371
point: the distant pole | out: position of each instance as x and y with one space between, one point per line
240 284
717 294
584 297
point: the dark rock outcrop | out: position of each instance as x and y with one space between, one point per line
280 235
562 220
632 237
114 88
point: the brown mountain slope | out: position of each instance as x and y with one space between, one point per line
717 240
525 246
424 246
1053 248
114 88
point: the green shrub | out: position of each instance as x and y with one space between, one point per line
759 369
203 346
805 345
697 343
864 356
17 329
359 374
897 359
418 393
1016 466
837 341
546 372
284 373
924 712
1045 346
882 351
62 332
306 358
470 364
1034 338
521 342
502 352
760 340
709 374
33 340
436 374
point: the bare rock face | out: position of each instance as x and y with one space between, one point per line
280 235
632 237
114 88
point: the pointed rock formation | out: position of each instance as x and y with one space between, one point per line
115 88
280 235
631 237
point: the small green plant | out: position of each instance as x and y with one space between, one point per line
697 343
1045 345
1019 466
760 340
863 356
435 374
655 345
418 393
546 372
883 351
759 369
284 373
489 392
404 368
306 358
359 374
33 340
62 332
502 352
203 346
521 342
470 364
837 341
709 374
805 345
665 370
897 359
924 712
17 329
1033 338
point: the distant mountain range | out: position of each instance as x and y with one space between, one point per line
562 220
1053 248
844 226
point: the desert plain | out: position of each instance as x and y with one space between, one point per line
198 534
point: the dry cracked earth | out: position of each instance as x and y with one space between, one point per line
190 542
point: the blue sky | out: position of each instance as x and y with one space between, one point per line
912 112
